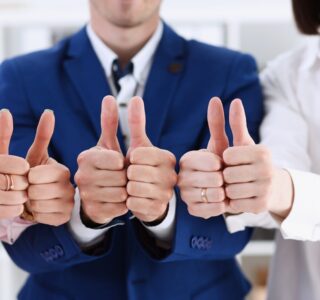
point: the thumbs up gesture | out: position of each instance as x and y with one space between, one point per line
200 178
101 176
50 193
13 173
151 172
227 179
249 172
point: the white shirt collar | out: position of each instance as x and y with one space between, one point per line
141 61
312 55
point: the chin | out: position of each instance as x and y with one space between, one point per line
128 22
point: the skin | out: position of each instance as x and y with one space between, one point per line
124 25
239 179
11 202
50 192
40 183
110 184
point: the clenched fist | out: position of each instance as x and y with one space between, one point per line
253 183
234 179
50 192
101 176
200 179
13 173
151 173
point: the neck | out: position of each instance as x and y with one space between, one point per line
126 42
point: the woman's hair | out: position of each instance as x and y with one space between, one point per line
307 15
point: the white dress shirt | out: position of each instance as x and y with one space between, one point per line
291 130
131 85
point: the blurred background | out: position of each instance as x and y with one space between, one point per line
263 28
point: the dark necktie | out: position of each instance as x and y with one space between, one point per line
118 72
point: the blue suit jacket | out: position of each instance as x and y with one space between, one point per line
69 79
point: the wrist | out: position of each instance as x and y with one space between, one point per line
159 220
282 197
89 223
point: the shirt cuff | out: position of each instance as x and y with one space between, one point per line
11 229
83 235
165 230
303 221
236 223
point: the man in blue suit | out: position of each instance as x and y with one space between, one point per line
130 236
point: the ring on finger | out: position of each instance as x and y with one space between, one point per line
204 197
9 183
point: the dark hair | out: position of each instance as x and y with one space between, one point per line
307 15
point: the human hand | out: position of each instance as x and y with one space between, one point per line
101 176
50 192
13 173
200 177
151 172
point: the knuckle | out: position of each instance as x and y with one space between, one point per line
65 173
32 191
82 157
218 179
35 205
119 162
168 194
181 179
192 210
131 188
264 153
173 158
131 172
184 160
123 195
123 179
227 155
78 178
221 195
130 203
216 162
234 206
227 174
66 218
230 191
84 194
183 195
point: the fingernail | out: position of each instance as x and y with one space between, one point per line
4 110
49 110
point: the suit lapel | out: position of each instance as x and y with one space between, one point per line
88 78
162 82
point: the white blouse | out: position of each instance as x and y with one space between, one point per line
291 130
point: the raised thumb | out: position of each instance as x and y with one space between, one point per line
218 142
38 152
137 124
6 130
109 124
238 124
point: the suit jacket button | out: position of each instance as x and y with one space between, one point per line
59 250
194 242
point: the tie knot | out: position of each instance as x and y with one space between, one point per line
118 72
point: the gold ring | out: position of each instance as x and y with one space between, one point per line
9 183
204 197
